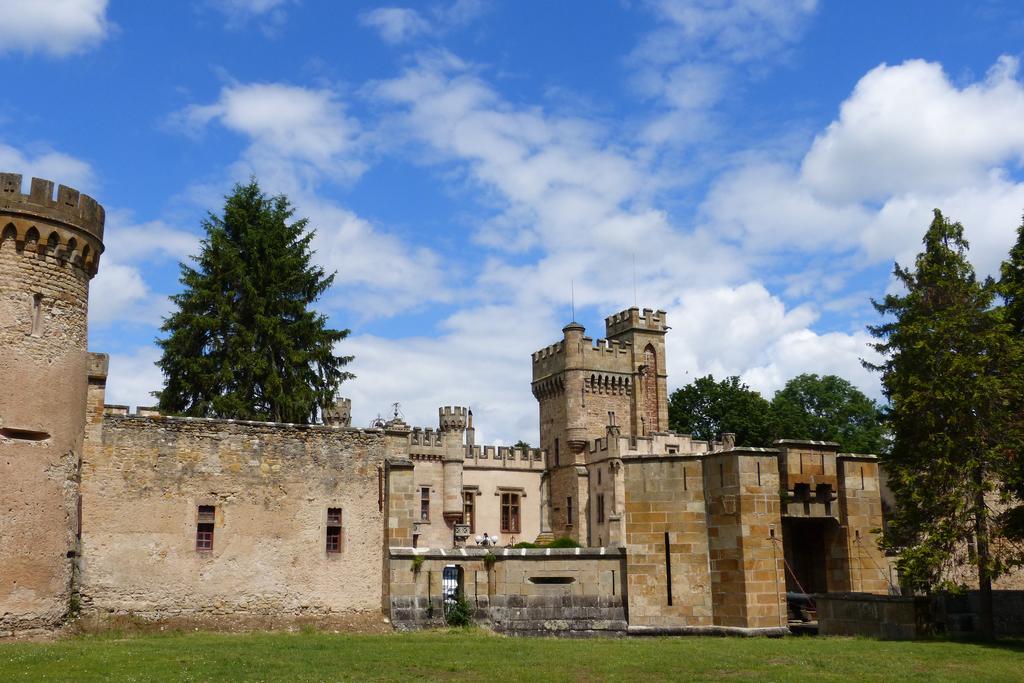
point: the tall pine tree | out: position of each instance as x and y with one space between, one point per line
950 371
1011 283
243 342
1011 289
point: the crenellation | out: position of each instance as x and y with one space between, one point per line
70 207
633 318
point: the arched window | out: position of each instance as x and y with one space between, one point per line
650 389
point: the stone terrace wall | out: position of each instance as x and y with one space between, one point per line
959 613
874 616
509 595
271 485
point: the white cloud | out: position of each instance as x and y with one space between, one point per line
56 27
299 139
62 169
765 207
118 293
395 24
747 331
481 360
907 128
906 141
378 274
149 241
307 127
271 13
693 58
740 31
989 211
133 375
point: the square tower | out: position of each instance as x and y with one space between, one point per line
582 386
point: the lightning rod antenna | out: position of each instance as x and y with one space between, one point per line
572 298
634 280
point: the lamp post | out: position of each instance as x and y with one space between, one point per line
486 541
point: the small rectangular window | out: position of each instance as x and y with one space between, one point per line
569 516
510 513
600 508
598 476
334 530
556 451
37 314
424 503
204 527
468 508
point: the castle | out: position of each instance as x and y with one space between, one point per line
110 512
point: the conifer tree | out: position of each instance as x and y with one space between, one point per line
1011 289
243 342
1011 283
950 371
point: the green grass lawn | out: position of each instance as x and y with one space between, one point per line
477 655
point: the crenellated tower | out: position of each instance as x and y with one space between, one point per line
50 248
584 386
644 334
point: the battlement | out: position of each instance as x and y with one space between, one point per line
656 444
425 438
608 345
70 207
548 351
634 319
340 414
505 457
452 418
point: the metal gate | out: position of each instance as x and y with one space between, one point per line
451 586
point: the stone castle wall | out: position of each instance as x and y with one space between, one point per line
271 485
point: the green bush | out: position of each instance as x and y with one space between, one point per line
458 613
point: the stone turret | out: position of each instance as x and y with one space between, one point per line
49 251
452 421
340 414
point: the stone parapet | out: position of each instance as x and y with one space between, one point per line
549 591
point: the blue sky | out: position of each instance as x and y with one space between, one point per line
763 162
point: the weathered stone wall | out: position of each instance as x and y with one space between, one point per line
48 252
516 593
664 499
271 484
873 616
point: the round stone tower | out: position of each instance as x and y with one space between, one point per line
49 250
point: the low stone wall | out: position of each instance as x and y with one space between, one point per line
563 591
874 616
958 613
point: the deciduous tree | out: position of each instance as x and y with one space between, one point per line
706 408
828 408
